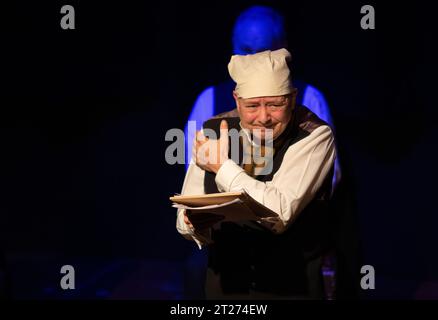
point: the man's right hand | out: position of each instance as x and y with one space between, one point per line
201 221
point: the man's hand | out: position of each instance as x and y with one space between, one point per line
211 154
201 221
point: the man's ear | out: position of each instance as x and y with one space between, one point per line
294 97
292 101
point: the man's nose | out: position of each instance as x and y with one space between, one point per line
264 115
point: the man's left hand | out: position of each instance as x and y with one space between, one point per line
210 154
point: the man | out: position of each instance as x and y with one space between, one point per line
257 29
259 259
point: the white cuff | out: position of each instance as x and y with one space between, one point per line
227 173
202 238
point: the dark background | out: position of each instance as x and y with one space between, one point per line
84 113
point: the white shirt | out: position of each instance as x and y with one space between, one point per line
302 172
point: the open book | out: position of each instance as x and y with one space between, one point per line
232 206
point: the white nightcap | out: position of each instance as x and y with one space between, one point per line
262 74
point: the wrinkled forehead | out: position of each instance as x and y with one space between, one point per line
272 99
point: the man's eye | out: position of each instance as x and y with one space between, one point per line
251 106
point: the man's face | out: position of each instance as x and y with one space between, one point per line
264 113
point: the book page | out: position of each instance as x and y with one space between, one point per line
207 199
233 206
